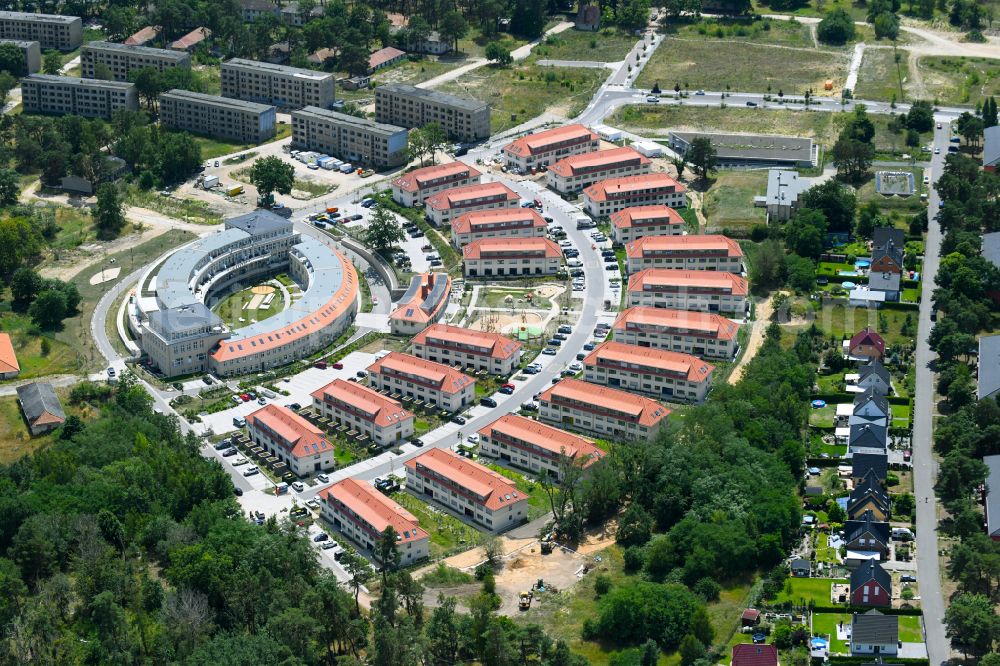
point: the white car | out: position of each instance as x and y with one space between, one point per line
313 503
240 461
575 366
323 478
299 486
927 179
473 439
250 471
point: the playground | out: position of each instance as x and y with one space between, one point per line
522 313
251 305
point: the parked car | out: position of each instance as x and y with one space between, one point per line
262 400
323 477
231 451
473 439
299 486
240 461
322 536
250 471
460 420
506 390
549 351
417 442
488 402
327 545
237 491
295 406
907 578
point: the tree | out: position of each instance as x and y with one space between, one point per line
804 233
691 650
528 18
970 127
109 213
12 60
701 156
920 116
10 187
836 202
972 623
387 552
270 175
353 59
383 231
52 63
24 286
837 28
990 112
495 52
360 572
635 527
443 633
679 164
633 14
801 274
886 26
453 27
48 309
853 158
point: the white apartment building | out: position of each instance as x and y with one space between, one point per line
601 411
51 31
70 95
384 420
511 257
548 147
362 514
665 374
452 345
467 488
704 291
282 86
120 59
710 252
415 378
296 442
506 223
612 195
698 333
572 174
448 204
631 224
536 447
413 187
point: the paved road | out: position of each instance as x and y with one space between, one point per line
924 466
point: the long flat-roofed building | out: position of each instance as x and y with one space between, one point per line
548 147
362 514
448 204
460 118
353 139
51 31
612 195
506 223
120 59
359 407
704 291
665 374
467 488
754 150
482 350
511 257
631 224
70 95
219 117
423 304
412 188
280 85
412 377
698 333
31 51
540 448
293 440
572 174
710 252
602 411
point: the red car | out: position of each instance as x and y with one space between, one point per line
244 397
320 364
508 385
338 366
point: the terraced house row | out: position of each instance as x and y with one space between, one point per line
601 411
536 447
698 333
511 257
415 378
448 204
700 252
453 345
362 513
610 196
424 303
506 223
296 442
572 174
412 188
541 149
665 374
384 420
631 224
703 291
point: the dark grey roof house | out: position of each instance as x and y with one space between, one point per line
988 383
41 407
801 568
867 438
867 534
874 376
864 463
874 633
992 497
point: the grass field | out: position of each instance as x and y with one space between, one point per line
729 201
953 80
608 45
840 320
474 43
877 78
520 93
538 501
805 590
232 308
447 533
911 629
212 148
760 30
748 67
15 440
189 210
826 623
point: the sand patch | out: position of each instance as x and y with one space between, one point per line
105 275
263 289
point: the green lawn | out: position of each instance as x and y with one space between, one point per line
748 67
212 148
15 440
189 210
805 590
823 416
608 45
826 623
728 204
413 72
759 31
911 629
901 415
824 553
910 204
447 533
538 501
233 310
877 78
840 320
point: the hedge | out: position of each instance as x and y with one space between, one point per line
834 398
894 305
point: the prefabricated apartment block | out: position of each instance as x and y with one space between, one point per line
70 95
352 139
51 31
461 119
218 117
120 59
280 85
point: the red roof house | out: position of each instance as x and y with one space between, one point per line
866 344
748 654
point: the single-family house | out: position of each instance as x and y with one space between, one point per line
991 253
9 367
144 36
321 57
866 345
873 375
191 40
868 497
251 10
871 585
865 464
868 535
433 43
991 496
886 271
988 381
801 568
873 633
871 405
755 654
867 438
41 407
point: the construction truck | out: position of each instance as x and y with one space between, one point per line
524 600
235 190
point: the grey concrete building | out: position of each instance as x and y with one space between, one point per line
408 106
356 140
120 59
70 95
752 150
282 86
32 52
784 187
215 116
51 31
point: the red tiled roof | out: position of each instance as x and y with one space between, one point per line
495 491
8 359
682 244
442 377
414 309
644 411
541 142
495 345
144 36
193 38
713 325
300 438
635 215
572 165
606 189
375 509
690 279
380 410
416 179
467 222
867 336
693 368
500 246
750 654
382 56
544 436
456 196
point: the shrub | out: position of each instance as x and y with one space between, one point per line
707 589
634 559
602 584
